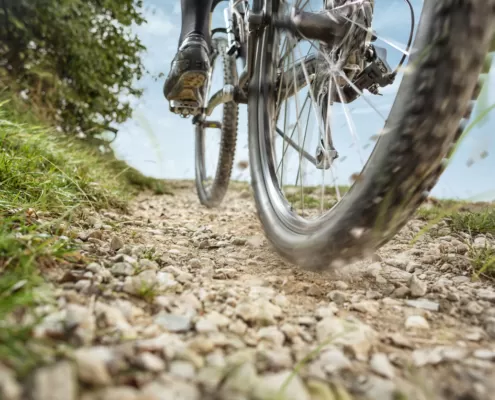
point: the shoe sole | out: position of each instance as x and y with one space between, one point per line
188 89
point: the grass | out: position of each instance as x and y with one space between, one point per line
474 223
471 218
483 261
45 181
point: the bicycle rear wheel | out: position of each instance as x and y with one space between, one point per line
212 184
426 118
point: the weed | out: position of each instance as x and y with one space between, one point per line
474 223
482 260
147 291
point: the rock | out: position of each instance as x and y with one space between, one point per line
170 390
271 335
80 321
261 311
486 295
424 304
150 362
274 359
182 369
481 243
92 365
401 292
354 335
416 322
145 264
120 393
141 284
9 388
378 388
54 382
337 296
122 269
173 322
437 355
95 234
474 308
238 241
218 319
271 386
484 354
333 360
242 379
204 325
418 288
380 364
238 327
367 307
116 243
400 341
112 317
454 297
395 275
490 327
341 285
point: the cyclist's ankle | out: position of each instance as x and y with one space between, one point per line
194 36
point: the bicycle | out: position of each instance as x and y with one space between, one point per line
435 99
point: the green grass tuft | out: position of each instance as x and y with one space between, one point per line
474 223
45 180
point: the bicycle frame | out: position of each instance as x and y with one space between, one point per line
327 27
243 28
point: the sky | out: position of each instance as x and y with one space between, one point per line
161 144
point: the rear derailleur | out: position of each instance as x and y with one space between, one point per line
376 74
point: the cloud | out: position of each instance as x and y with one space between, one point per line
158 24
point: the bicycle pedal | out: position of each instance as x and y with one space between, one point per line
185 108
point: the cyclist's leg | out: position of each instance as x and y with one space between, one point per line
195 18
189 69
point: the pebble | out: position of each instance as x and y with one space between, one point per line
337 296
367 307
182 369
116 243
173 322
269 387
9 388
333 360
119 393
81 322
54 382
122 269
150 362
272 335
416 322
424 304
170 390
204 325
91 365
380 364
418 287
474 308
357 336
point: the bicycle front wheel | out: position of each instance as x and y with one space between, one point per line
312 217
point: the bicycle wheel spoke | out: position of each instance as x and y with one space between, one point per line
350 123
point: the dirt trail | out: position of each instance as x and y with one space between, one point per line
185 303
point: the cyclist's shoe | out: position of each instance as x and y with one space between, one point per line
185 86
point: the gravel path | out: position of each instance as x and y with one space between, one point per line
185 303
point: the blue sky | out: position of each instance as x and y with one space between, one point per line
161 144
